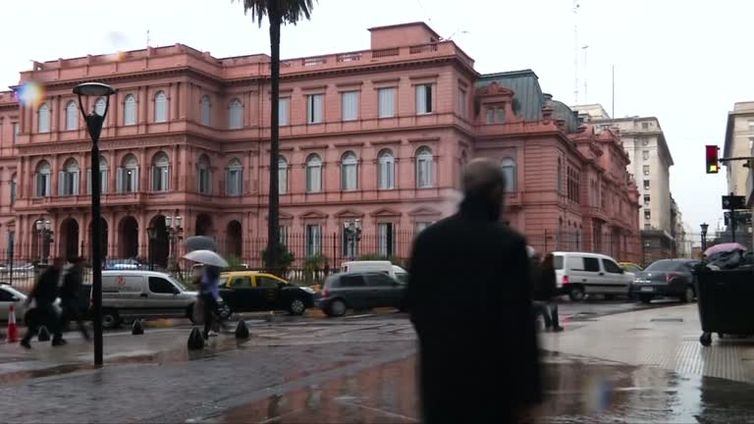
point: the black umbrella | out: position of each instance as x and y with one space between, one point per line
200 243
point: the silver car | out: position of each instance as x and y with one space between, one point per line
129 295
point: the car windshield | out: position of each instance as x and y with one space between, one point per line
558 262
177 283
665 266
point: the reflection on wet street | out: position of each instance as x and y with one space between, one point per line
576 391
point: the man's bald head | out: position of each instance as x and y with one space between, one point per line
482 177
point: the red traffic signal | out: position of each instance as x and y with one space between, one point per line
713 165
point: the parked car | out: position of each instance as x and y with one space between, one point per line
666 277
394 271
129 294
360 290
250 291
630 267
125 264
11 296
581 273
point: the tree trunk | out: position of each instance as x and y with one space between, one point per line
273 230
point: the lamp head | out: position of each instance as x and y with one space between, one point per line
93 89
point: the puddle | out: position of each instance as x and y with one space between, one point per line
575 391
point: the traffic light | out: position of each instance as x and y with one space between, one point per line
713 166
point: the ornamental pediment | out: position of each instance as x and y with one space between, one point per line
494 89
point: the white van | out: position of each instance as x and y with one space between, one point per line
143 294
397 273
581 273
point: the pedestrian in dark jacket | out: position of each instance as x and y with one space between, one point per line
45 313
469 296
70 298
545 290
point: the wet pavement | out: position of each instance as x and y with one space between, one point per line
576 391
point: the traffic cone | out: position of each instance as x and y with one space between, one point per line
44 334
137 328
12 327
195 340
242 331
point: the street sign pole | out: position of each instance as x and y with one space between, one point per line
733 225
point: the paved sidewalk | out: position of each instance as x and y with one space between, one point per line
667 338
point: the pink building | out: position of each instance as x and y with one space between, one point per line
377 136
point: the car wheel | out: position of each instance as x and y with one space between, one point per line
688 295
705 339
577 293
110 319
297 307
646 298
337 308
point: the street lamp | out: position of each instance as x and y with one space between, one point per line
152 233
704 227
174 228
94 123
352 230
44 232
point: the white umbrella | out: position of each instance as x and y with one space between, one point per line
206 257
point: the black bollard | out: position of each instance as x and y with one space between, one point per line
44 334
242 330
195 340
137 328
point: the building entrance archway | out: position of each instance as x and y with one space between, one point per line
234 239
128 234
203 225
69 239
158 243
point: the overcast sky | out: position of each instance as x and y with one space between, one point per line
684 62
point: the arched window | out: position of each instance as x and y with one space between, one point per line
313 174
68 181
99 108
128 175
234 178
349 171
160 107
71 116
235 114
43 179
509 174
424 167
282 175
129 110
103 186
205 110
44 118
205 174
386 170
160 172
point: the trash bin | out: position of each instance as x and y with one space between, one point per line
726 301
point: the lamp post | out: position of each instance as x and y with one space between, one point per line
152 233
352 230
44 232
704 227
94 123
174 228
11 246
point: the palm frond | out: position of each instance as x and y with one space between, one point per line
291 11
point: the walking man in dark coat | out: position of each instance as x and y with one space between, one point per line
44 312
469 296
70 293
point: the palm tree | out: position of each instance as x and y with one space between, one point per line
279 12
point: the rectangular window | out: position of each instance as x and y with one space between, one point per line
462 101
349 104
160 178
350 245
283 230
284 106
204 181
13 191
314 108
645 169
386 99
645 154
313 240
282 180
423 99
127 180
69 183
647 214
386 239
646 184
43 185
495 115
646 200
234 185
645 125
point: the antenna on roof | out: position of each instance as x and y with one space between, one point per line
576 51
147 38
